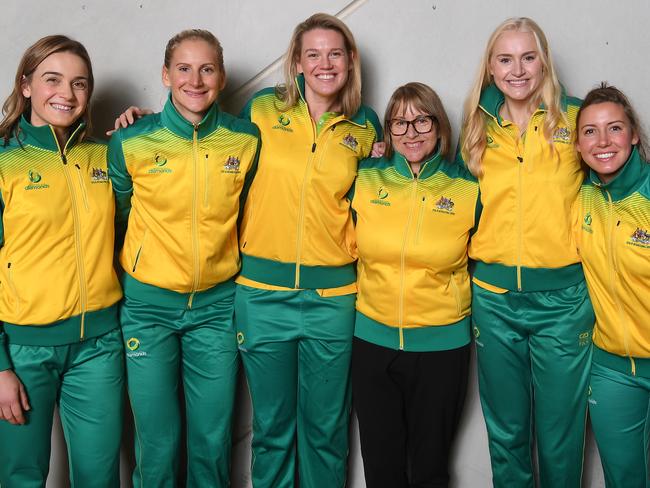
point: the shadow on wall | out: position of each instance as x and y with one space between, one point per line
109 103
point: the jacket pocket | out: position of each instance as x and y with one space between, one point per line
234 246
456 291
322 155
82 186
418 228
12 288
138 253
206 171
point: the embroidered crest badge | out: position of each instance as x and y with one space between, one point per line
350 141
562 134
231 165
445 204
98 175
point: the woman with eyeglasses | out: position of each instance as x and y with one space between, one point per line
531 312
414 214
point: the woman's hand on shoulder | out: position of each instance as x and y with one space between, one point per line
128 117
378 149
13 398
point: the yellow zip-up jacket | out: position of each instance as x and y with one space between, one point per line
524 240
180 186
412 235
297 230
613 222
56 263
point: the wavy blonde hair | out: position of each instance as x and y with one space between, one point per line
17 104
473 139
350 95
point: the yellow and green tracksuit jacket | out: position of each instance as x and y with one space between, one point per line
613 227
524 241
412 236
297 230
179 186
56 263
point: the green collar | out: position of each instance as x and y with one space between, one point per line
44 137
632 175
428 168
179 125
492 98
359 118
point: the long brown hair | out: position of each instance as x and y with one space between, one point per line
350 95
17 104
473 133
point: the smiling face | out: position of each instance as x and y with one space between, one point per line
325 63
516 65
605 138
415 147
58 91
194 78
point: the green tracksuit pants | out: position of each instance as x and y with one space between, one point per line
296 348
534 353
619 406
86 380
167 347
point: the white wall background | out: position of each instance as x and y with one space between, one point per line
438 42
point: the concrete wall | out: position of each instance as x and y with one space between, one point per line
438 42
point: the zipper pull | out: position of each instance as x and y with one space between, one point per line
313 147
64 158
520 159
77 166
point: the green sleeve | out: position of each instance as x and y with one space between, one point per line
248 180
246 111
459 157
478 210
350 198
374 121
5 363
122 187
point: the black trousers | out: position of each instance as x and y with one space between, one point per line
408 405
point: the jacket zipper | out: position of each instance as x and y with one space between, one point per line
195 238
613 272
402 270
80 264
301 207
84 195
520 217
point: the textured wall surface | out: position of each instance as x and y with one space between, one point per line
438 42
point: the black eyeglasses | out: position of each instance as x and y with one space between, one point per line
422 124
